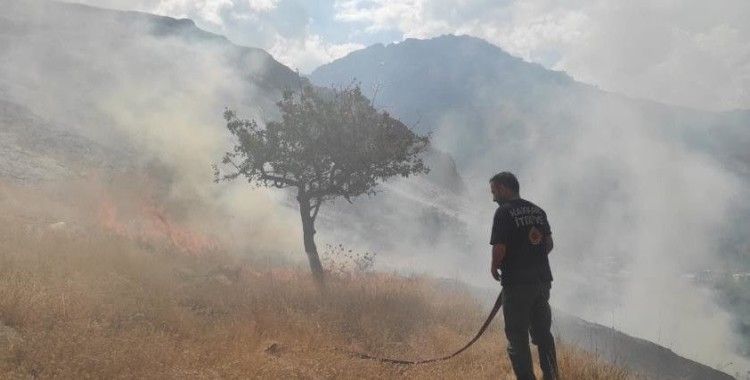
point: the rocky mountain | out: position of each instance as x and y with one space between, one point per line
467 85
415 77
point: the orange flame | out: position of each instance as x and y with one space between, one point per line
151 225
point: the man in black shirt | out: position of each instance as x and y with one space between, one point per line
521 240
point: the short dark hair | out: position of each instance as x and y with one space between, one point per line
506 179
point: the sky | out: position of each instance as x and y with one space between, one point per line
693 53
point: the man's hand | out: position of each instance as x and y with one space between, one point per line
498 253
495 273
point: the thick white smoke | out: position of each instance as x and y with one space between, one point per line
634 213
115 79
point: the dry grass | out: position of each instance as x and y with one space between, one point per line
90 304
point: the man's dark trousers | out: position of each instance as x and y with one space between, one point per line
526 310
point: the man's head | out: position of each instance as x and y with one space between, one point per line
504 186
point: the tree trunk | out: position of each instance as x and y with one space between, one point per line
308 234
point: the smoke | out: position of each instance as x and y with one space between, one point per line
159 98
662 217
634 212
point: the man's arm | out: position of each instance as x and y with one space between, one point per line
500 235
547 231
498 254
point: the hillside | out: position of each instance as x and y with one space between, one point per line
132 90
81 299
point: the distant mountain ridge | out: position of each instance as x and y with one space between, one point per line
423 80
446 76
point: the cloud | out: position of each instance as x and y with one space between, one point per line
263 5
700 58
282 27
310 52
690 53
205 10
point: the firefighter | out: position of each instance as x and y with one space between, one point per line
521 241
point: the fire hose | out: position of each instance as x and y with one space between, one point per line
481 331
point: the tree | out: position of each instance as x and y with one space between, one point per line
328 144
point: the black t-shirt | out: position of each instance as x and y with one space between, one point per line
522 227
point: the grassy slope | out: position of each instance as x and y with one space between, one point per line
88 303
